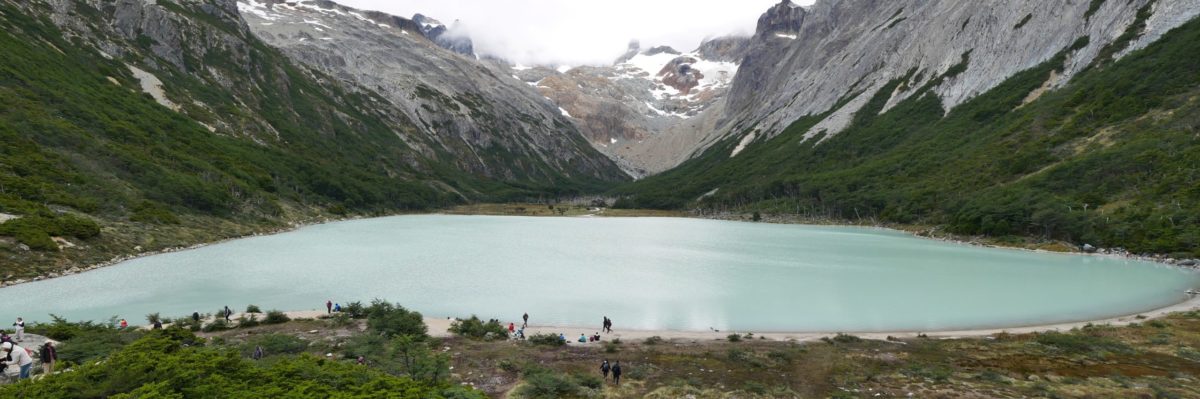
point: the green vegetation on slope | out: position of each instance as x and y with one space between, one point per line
86 153
1112 159
173 363
1154 358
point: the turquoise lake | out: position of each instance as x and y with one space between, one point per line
644 273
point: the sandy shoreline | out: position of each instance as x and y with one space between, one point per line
439 326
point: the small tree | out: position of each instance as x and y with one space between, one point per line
393 320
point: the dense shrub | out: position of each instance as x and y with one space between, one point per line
392 320
160 365
545 339
253 309
274 344
36 231
355 310
154 213
216 325
252 321
542 383
476 328
1082 343
276 317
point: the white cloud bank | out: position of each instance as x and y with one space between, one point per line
572 32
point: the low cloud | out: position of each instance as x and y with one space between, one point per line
558 32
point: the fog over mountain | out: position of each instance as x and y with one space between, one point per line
548 32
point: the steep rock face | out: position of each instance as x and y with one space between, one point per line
490 123
804 61
725 48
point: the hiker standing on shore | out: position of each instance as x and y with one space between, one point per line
49 355
228 313
329 306
604 368
196 317
20 327
525 322
157 324
616 370
19 356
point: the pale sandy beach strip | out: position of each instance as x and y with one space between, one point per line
438 327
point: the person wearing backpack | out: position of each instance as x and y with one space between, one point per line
616 370
604 368
49 355
18 356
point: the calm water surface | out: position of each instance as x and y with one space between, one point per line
644 273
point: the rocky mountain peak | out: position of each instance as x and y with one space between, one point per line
630 51
783 17
662 50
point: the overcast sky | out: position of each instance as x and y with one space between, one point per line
574 32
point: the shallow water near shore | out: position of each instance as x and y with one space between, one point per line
644 273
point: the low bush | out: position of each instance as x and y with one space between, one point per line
252 321
475 328
216 325
36 231
153 213
846 338
543 383
545 339
276 317
253 309
655 340
734 338
1082 344
274 344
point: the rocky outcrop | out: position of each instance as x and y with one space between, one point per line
725 49
680 75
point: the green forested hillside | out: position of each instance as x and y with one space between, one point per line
1112 159
86 155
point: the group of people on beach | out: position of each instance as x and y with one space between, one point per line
12 354
519 333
